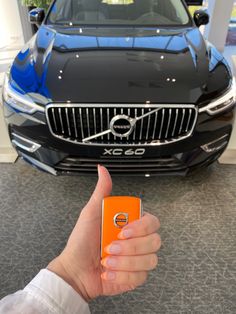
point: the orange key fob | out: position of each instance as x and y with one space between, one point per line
117 212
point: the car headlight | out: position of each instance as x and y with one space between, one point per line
223 102
18 101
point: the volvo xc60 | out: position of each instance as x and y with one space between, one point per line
130 84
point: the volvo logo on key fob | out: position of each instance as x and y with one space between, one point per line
121 220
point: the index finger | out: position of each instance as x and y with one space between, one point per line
146 225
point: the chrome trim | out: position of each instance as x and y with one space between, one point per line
68 122
215 149
94 119
101 125
141 106
167 129
131 118
135 113
182 121
148 125
176 118
140 133
162 122
62 126
114 116
155 125
54 118
34 146
108 121
87 114
85 140
81 122
131 121
74 121
39 164
189 119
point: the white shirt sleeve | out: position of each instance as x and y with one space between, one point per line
47 293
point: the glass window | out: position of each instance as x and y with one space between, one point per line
231 36
118 12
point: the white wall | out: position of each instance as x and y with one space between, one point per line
11 36
10 24
220 13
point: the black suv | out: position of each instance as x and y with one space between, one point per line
130 84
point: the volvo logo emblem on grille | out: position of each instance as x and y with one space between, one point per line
122 125
121 220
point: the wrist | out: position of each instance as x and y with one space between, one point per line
57 266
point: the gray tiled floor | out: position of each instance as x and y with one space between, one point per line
197 268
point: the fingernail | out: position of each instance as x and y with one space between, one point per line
110 275
114 249
110 261
126 233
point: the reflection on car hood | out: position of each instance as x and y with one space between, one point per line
104 65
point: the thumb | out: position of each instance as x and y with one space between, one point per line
103 189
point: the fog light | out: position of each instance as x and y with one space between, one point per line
216 145
24 143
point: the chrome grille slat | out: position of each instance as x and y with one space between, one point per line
75 124
94 120
141 129
60 116
81 122
88 124
162 122
131 117
189 119
176 118
68 122
108 121
135 115
155 125
166 123
114 116
148 125
182 121
167 129
54 118
101 120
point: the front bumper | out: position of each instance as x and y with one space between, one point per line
58 157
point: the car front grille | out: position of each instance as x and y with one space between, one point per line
122 166
161 124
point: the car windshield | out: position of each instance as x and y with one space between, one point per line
118 12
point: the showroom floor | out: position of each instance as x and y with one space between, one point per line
197 268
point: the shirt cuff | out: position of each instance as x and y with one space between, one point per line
56 294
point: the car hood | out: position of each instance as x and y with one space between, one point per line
97 65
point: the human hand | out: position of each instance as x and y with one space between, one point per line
130 257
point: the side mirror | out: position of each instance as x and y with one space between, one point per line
36 16
201 18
